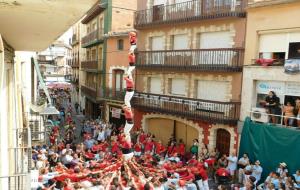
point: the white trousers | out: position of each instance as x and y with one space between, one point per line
127 128
132 48
200 184
205 185
128 156
130 70
128 97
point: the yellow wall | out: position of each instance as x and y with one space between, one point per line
163 129
269 18
123 18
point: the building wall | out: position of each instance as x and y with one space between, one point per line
123 14
11 110
253 73
116 59
266 20
235 79
236 27
162 126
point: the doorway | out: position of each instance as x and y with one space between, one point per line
223 141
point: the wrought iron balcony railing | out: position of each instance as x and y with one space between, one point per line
230 59
91 92
90 65
115 94
189 11
92 38
196 109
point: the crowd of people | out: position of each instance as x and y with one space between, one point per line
99 163
103 158
290 111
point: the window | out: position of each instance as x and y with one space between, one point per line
93 58
213 90
155 85
279 45
180 42
120 44
209 40
177 87
294 50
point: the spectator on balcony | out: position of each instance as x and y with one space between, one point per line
288 112
272 103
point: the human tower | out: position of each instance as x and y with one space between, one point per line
127 149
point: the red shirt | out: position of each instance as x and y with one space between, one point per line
172 150
89 155
148 146
114 147
181 149
142 138
203 174
129 82
126 144
137 148
222 172
128 113
159 148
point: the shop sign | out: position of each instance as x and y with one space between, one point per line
264 87
293 89
116 112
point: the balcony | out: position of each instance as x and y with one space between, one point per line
91 92
74 40
75 64
230 59
196 109
90 65
92 38
115 94
189 11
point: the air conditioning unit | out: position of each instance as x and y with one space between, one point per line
259 115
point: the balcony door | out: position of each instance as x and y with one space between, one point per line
210 7
157 44
158 10
208 42
118 82
223 141
180 58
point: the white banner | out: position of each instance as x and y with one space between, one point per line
116 112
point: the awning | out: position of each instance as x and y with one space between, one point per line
32 25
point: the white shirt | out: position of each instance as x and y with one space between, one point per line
101 136
232 163
256 172
243 161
